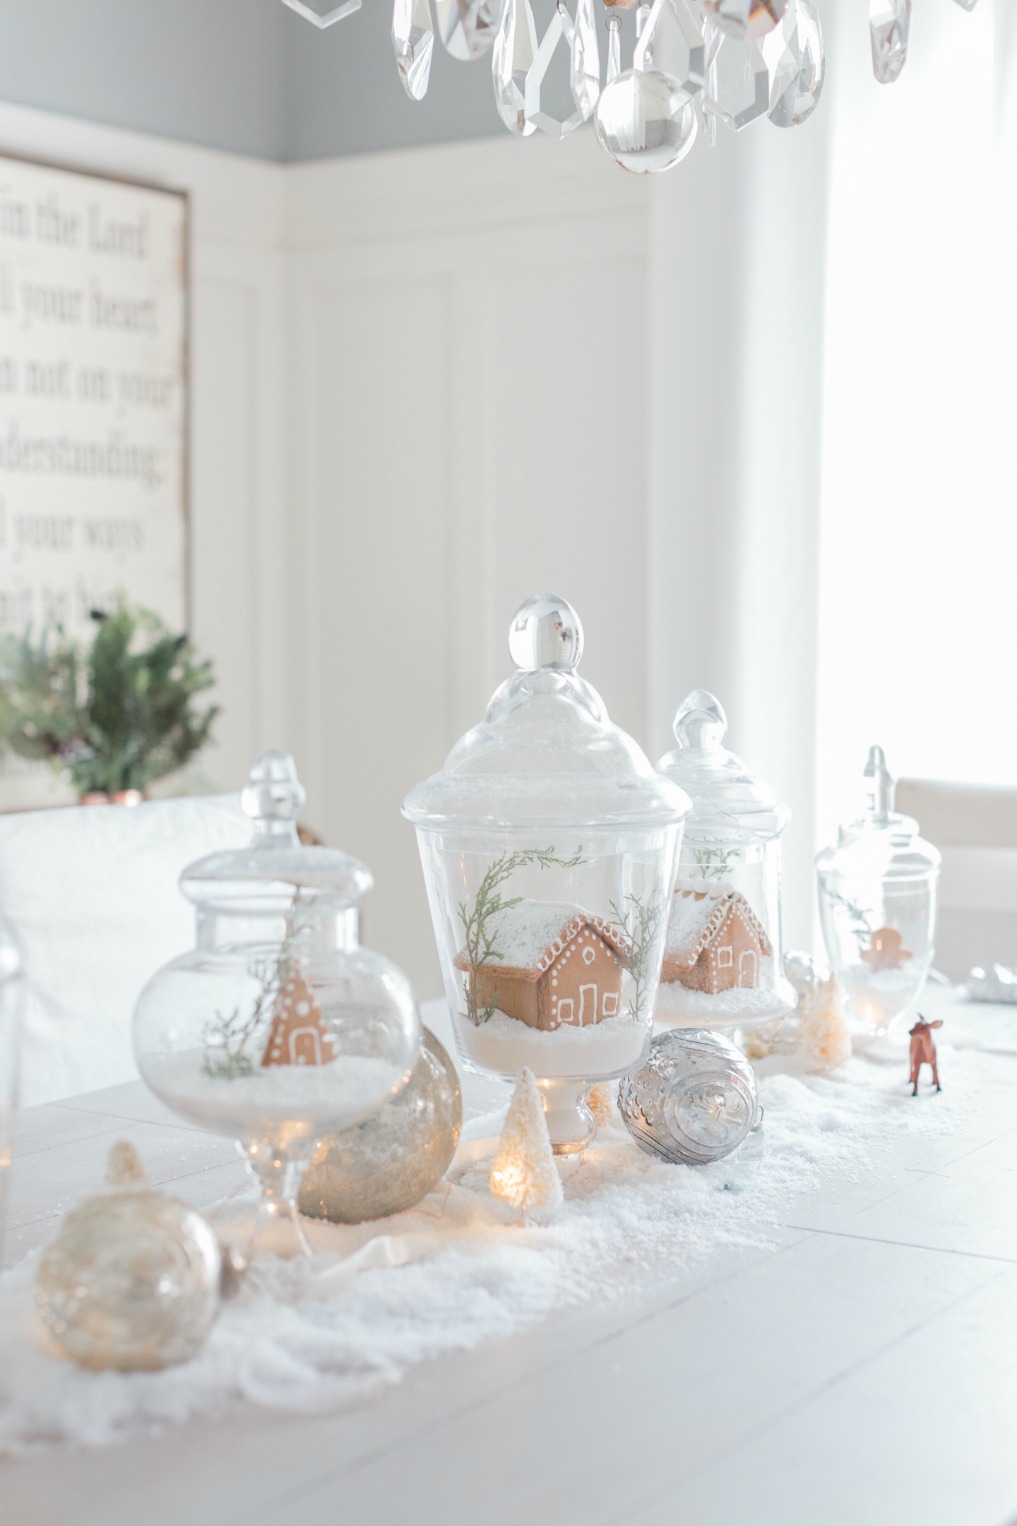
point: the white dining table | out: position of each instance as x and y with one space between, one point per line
860 1372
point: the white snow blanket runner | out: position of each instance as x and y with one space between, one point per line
461 1270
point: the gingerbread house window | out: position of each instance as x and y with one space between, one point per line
725 957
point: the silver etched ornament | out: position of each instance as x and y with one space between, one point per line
694 1100
133 1279
391 1160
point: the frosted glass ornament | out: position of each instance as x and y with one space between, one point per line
132 1278
391 1160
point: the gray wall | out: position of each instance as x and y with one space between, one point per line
343 94
245 75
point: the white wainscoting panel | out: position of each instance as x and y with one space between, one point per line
461 440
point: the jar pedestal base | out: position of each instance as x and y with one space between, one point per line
570 1124
277 1226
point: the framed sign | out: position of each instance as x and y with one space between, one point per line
93 406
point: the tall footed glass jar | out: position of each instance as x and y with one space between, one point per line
548 845
723 965
278 1027
877 906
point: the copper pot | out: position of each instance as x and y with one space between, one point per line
119 797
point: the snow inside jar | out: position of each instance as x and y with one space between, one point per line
548 845
722 965
877 906
278 1027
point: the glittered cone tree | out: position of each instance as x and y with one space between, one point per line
825 1039
524 1172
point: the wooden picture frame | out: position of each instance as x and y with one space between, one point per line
94 406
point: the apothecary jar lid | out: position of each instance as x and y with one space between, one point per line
729 801
265 875
546 754
879 843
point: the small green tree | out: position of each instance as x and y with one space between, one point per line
115 715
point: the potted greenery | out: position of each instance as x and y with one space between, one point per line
113 716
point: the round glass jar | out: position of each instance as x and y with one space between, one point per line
877 905
723 966
548 844
278 1027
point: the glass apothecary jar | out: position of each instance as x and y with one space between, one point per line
877 905
723 966
11 1001
548 844
278 1027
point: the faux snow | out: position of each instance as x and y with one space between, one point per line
530 936
691 911
324 1097
678 1007
505 1045
462 1269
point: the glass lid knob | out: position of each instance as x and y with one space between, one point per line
879 786
700 721
546 632
273 794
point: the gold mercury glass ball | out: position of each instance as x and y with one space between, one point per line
388 1162
132 1278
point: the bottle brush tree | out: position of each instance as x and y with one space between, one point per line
113 715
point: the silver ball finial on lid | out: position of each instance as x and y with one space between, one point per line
273 795
700 721
546 632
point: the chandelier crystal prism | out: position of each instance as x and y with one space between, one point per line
323 12
676 71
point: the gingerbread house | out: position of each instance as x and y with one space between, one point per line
297 1035
714 942
555 966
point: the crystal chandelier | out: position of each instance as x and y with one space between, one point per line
695 64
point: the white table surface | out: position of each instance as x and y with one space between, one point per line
863 1372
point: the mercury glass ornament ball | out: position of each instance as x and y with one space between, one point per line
391 1160
132 1279
694 1101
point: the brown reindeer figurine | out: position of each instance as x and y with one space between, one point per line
923 1051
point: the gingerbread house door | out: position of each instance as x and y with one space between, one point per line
748 967
305 1046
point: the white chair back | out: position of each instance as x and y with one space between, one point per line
975 828
92 894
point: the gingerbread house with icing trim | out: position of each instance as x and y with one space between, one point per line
298 1035
715 942
555 966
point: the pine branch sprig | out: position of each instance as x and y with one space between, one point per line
480 921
